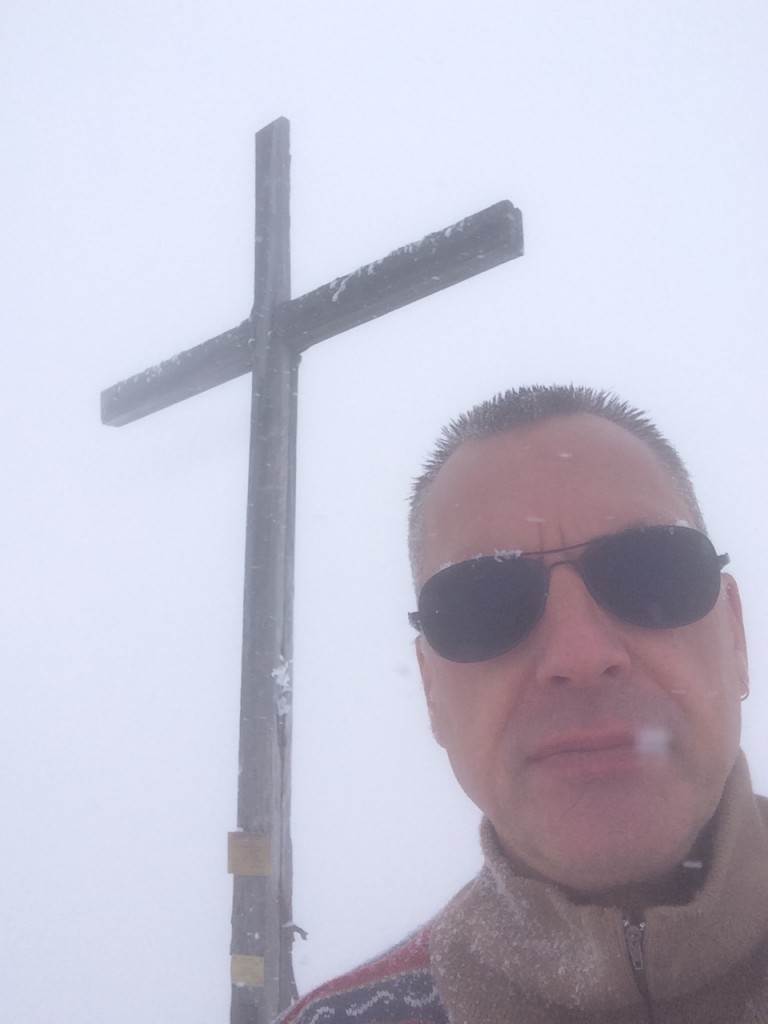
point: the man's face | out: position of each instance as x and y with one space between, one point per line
654 713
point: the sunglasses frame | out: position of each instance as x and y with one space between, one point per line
415 618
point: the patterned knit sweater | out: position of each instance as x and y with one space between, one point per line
395 987
512 949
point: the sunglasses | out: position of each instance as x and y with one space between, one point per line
658 577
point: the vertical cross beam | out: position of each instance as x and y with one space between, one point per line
268 345
262 975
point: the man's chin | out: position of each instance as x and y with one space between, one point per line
602 880
608 840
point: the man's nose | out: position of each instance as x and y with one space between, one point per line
578 641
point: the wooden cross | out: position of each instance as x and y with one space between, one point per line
268 345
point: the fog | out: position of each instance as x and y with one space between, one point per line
633 139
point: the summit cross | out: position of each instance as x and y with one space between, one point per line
269 345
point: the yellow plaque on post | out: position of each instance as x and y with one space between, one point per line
248 970
248 854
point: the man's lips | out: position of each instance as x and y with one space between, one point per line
578 745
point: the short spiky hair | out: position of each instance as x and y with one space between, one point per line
523 407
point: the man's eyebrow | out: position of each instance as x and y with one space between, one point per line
634 524
503 553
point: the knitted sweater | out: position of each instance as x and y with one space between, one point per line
511 949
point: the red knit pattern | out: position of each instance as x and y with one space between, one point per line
395 988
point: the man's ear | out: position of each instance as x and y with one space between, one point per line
427 683
736 621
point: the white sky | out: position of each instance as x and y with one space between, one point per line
633 138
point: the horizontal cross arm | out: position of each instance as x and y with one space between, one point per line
213 362
469 247
439 260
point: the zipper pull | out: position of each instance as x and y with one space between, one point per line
633 935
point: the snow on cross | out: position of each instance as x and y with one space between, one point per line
268 345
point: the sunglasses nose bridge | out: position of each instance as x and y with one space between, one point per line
576 565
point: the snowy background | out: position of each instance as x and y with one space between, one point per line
632 136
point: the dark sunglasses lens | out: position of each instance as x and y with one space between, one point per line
657 577
479 609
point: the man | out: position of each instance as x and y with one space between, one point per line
583 660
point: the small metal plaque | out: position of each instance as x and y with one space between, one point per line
248 970
248 854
